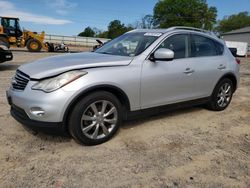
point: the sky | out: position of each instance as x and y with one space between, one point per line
70 17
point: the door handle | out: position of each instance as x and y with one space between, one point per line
189 71
221 67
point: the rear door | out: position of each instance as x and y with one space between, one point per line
208 62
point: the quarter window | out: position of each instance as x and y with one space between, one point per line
219 48
203 46
177 43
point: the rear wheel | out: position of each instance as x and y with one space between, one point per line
4 41
95 118
222 95
34 45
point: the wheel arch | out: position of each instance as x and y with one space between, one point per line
119 93
232 77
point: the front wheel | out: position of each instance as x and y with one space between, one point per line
95 118
222 95
34 45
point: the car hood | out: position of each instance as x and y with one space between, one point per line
55 65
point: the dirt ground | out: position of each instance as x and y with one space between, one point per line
186 148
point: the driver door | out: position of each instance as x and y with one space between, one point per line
166 82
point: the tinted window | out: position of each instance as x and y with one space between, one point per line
8 23
202 46
177 43
219 48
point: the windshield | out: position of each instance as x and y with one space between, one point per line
130 44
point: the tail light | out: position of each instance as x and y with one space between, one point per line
237 61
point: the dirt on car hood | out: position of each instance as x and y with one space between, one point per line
55 65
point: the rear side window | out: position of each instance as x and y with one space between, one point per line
179 44
219 48
203 46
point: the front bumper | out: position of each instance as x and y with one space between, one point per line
46 127
53 104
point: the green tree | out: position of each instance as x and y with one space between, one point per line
88 32
192 13
103 34
116 28
147 22
235 21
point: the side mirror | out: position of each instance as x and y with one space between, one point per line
162 54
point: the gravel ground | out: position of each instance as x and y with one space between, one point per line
186 148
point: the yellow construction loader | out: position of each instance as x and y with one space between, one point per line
11 35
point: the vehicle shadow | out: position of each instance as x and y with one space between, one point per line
139 121
54 138
49 137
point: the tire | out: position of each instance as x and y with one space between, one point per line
91 128
222 95
4 41
34 45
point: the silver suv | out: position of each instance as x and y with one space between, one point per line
89 94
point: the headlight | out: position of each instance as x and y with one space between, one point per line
52 84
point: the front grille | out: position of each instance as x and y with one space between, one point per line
20 80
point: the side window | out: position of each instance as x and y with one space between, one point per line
202 46
219 48
177 43
12 23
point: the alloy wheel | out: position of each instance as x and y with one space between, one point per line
99 119
224 95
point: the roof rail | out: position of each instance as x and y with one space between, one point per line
194 29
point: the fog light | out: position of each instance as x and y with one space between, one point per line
37 111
